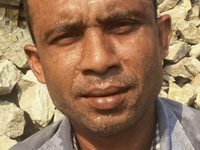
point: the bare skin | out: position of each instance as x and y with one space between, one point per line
101 62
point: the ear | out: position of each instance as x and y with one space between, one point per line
34 62
164 27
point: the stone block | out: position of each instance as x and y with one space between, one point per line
176 13
189 33
177 51
167 5
193 14
12 14
184 96
12 120
14 39
197 100
2 11
58 115
35 100
195 51
6 143
186 68
9 76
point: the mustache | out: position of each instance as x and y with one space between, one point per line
89 82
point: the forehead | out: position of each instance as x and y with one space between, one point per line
83 8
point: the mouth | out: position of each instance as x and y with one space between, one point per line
104 98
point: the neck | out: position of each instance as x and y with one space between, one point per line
137 137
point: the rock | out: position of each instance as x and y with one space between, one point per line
163 94
195 23
58 115
195 51
9 76
186 4
184 96
197 101
6 143
168 78
177 51
35 100
167 5
186 68
159 2
176 13
7 25
14 39
189 33
195 1
12 120
195 83
193 14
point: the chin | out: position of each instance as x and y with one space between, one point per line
110 124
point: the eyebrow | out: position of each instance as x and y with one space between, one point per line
63 27
112 17
122 14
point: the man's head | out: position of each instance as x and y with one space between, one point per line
100 59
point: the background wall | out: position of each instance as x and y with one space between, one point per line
14 10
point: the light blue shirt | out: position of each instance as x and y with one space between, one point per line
179 129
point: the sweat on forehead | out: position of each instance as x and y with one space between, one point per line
29 14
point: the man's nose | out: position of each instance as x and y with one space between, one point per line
99 53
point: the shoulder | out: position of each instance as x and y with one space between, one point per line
181 111
180 121
40 138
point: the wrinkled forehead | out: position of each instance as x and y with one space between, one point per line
82 8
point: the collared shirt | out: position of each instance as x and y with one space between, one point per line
154 146
156 142
178 125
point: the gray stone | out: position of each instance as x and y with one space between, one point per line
163 94
195 51
9 76
168 78
195 23
193 14
184 96
14 39
35 100
159 2
195 83
57 115
7 25
6 143
167 4
195 1
176 13
186 4
177 52
189 32
186 68
197 100
12 120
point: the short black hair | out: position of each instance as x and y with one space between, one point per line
28 18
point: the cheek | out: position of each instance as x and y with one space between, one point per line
60 70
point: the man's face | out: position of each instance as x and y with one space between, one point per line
100 59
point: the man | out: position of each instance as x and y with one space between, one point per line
102 63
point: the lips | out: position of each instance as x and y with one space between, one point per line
104 98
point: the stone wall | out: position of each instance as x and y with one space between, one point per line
25 106
10 9
14 10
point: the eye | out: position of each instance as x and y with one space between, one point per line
67 38
122 27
